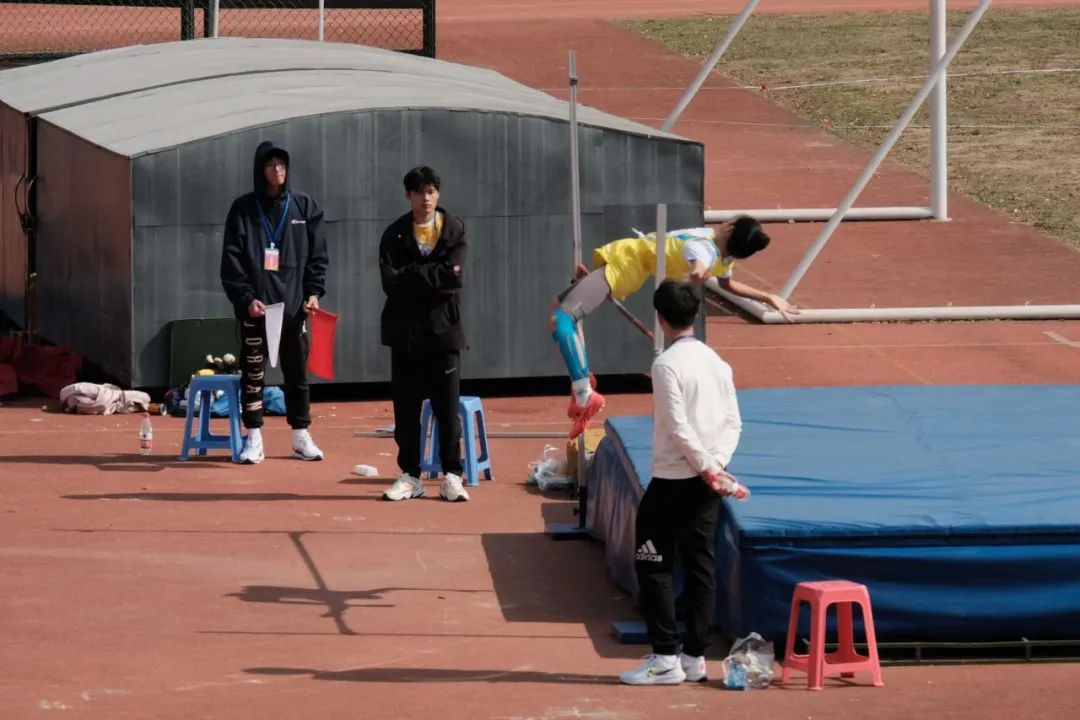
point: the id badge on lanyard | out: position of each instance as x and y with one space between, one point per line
271 259
271 254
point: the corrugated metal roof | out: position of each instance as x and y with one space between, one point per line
147 98
93 76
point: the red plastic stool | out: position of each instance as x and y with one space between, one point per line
845 661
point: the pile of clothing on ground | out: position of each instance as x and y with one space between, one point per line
93 399
27 367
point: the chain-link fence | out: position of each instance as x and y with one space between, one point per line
32 30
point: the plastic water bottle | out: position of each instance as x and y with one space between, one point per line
146 436
737 491
728 486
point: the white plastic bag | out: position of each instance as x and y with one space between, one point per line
551 481
549 461
749 665
549 472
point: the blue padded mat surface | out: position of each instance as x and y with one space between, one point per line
900 461
958 506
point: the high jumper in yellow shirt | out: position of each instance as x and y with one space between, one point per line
623 267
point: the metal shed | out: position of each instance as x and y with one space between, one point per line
139 152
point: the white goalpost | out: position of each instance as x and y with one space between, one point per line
938 209
933 87
215 12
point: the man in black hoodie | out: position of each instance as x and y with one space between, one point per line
422 263
274 252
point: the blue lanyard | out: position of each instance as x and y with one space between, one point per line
273 236
683 337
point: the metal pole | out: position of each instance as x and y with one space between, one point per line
879 156
939 132
783 215
322 20
187 20
625 312
948 312
429 29
498 435
917 314
710 63
751 307
575 223
215 10
661 271
575 177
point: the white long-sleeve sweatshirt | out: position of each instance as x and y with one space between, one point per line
696 422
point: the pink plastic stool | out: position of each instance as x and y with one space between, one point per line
845 661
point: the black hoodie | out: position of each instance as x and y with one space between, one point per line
302 246
423 311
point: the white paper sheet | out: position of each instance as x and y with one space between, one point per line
275 317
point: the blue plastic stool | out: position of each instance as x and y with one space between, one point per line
473 432
203 388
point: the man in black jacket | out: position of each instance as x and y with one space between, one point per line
422 263
274 252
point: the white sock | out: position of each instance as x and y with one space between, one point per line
582 390
254 435
298 436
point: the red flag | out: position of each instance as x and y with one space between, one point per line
321 356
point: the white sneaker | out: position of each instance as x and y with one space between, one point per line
657 670
252 454
304 448
405 487
452 489
694 667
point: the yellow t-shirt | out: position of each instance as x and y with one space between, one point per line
629 262
427 235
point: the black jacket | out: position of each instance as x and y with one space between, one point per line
303 259
423 311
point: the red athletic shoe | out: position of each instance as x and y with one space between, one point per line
585 414
573 410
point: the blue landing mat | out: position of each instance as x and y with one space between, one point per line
959 507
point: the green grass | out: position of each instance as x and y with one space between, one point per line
1014 140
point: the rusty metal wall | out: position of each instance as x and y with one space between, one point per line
84 250
12 240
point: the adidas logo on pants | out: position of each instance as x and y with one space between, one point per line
647 553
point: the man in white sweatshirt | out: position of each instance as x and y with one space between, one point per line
696 427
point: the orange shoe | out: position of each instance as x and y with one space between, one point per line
595 404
